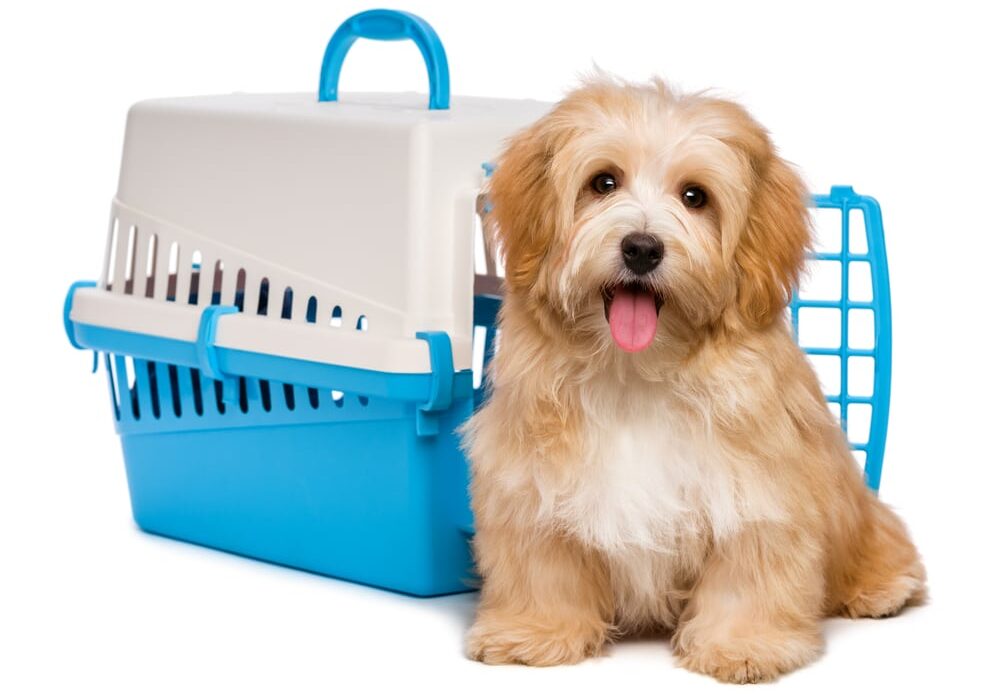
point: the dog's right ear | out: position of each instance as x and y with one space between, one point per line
527 211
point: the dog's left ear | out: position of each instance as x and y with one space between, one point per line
771 252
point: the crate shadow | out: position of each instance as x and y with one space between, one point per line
460 607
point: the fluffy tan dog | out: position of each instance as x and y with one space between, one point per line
656 453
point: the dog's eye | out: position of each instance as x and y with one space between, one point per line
694 197
604 183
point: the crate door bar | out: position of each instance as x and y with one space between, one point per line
882 310
845 200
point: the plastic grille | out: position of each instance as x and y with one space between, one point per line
864 339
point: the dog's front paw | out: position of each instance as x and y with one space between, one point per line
499 640
727 669
755 659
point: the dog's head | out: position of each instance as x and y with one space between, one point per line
632 210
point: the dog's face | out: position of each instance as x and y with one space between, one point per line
628 210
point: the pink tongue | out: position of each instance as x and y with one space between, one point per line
632 317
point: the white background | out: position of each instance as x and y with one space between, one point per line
898 102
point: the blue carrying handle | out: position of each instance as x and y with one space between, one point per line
387 25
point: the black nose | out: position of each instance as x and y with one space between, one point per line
642 252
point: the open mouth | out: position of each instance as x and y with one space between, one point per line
631 310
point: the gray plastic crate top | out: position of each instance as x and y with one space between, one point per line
366 204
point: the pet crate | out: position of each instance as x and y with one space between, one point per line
289 321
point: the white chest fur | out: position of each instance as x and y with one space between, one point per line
651 490
651 479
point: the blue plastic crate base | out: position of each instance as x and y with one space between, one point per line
339 484
361 498
368 485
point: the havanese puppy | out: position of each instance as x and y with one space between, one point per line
656 452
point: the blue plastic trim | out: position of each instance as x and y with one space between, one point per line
488 169
68 307
442 369
412 387
68 324
205 348
845 199
442 383
387 25
207 355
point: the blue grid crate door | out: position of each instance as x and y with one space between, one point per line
842 319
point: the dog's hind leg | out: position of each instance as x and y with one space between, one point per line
885 574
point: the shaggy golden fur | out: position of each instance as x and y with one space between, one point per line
700 486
